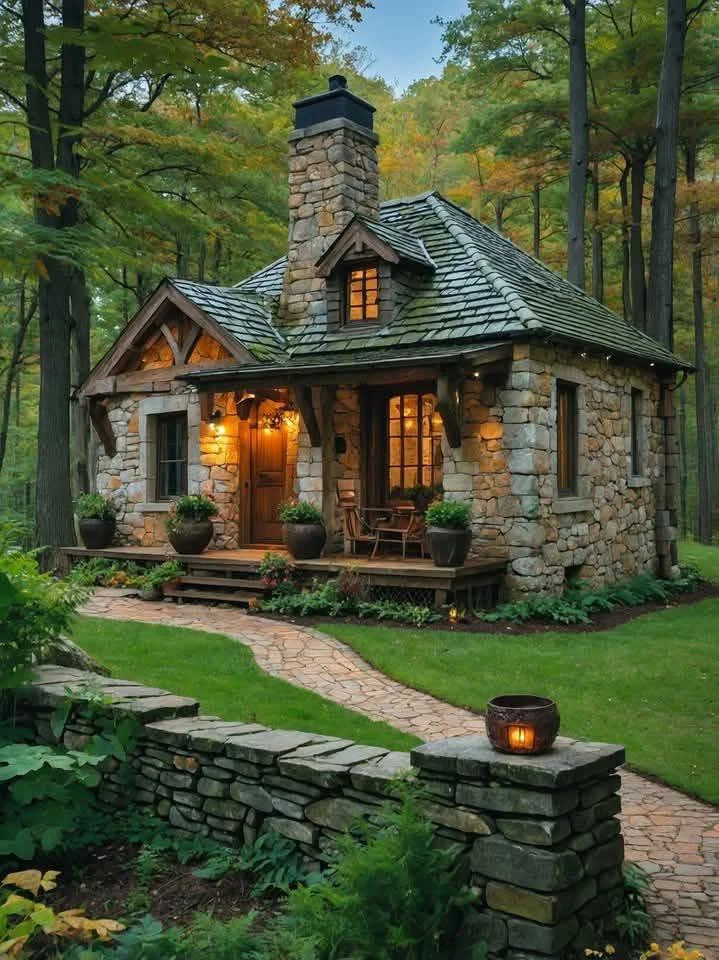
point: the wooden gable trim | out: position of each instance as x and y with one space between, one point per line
107 375
350 237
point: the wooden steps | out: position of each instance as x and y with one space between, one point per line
202 583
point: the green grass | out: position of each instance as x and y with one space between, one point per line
222 674
651 684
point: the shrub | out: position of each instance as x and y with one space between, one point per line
448 513
154 577
275 569
633 921
351 585
192 507
93 506
299 511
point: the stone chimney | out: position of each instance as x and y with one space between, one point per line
333 175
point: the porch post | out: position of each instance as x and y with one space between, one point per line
329 492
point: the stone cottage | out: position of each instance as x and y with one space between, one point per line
397 345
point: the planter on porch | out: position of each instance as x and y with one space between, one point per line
303 530
95 520
189 528
448 532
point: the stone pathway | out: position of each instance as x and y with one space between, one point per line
674 838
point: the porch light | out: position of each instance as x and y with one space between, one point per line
216 425
518 723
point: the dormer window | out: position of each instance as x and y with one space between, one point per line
362 298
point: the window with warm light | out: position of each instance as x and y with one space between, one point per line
567 439
171 477
362 297
414 455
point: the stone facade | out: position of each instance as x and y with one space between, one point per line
333 175
537 837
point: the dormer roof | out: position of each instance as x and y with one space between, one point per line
388 242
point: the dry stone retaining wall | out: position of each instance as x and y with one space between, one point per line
538 837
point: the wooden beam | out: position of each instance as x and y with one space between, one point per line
303 402
190 341
449 398
207 404
103 427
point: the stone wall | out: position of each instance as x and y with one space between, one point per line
128 478
538 837
506 468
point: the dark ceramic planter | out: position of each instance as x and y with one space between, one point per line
304 540
448 547
96 534
152 593
522 724
191 536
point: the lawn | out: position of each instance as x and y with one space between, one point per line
223 676
651 684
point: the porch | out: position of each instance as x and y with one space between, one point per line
232 576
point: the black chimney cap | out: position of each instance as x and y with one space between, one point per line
337 103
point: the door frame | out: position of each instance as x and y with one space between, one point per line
246 441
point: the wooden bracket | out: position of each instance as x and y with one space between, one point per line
207 405
103 427
303 402
449 406
243 404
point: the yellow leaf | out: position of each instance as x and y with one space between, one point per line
29 880
12 948
48 879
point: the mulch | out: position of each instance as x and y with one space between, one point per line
605 620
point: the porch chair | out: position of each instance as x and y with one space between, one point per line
356 529
415 533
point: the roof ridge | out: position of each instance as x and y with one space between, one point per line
258 273
514 301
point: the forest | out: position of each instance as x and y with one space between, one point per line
148 139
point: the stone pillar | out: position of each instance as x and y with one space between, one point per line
548 870
333 175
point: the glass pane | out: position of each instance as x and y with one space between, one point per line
410 405
427 477
411 451
356 299
372 311
410 427
410 477
394 428
356 313
372 296
371 272
395 477
395 452
394 406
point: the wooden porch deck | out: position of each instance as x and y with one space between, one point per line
476 584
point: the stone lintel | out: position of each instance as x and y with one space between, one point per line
569 762
327 126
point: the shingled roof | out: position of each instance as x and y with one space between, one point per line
482 289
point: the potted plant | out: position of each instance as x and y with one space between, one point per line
189 527
448 532
150 583
303 529
96 520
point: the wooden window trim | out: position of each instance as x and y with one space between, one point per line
161 422
351 268
636 432
418 393
567 438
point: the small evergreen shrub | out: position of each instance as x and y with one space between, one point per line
448 513
299 511
192 507
93 506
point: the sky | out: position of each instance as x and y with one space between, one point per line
401 38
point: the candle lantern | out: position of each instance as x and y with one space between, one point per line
522 724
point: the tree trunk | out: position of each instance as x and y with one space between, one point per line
216 259
25 314
703 415
626 272
683 465
597 240
661 256
537 219
579 137
201 261
79 372
636 243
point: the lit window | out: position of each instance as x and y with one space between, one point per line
566 439
363 293
171 455
414 443
636 433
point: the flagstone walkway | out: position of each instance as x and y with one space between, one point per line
673 837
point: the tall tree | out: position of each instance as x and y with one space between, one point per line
579 138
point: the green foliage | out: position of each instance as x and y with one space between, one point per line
154 577
35 609
633 921
93 506
192 507
577 604
275 569
337 598
273 860
101 572
394 895
299 511
448 513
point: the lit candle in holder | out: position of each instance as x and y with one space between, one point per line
520 738
518 723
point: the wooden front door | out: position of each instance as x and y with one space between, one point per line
267 478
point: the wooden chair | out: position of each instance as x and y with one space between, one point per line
357 530
414 533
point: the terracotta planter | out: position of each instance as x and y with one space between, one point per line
191 536
522 724
448 546
96 534
304 541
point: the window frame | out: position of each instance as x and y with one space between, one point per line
636 452
567 438
161 422
349 269
419 393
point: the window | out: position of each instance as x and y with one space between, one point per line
362 304
171 455
566 439
414 456
636 428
